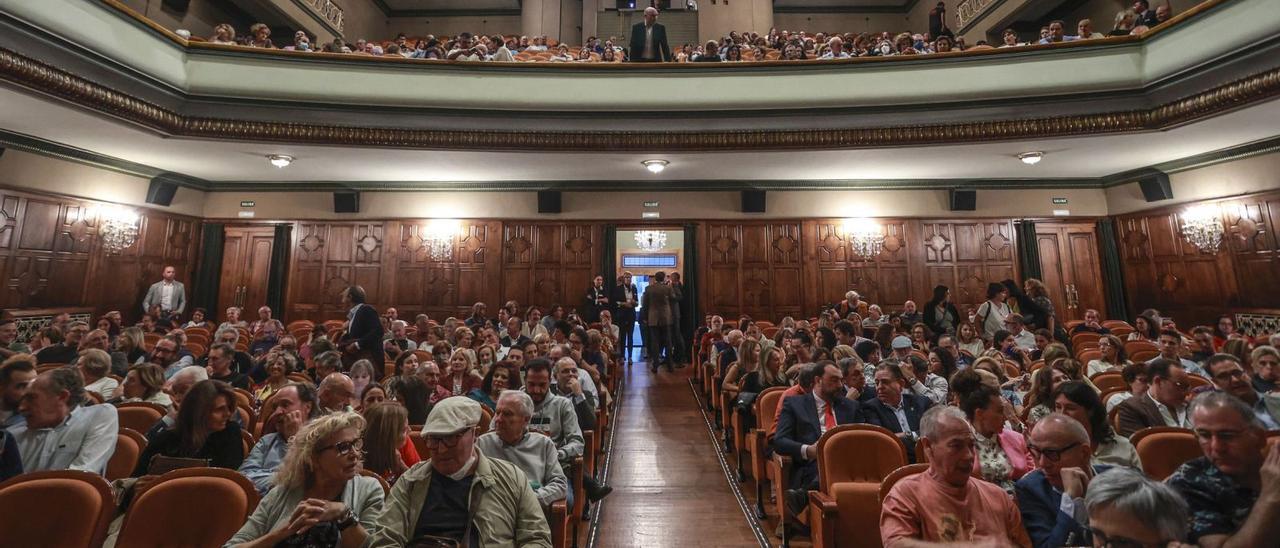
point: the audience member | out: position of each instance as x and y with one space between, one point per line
204 430
144 383
9 345
278 367
460 495
1171 346
167 293
894 409
1266 369
1051 498
946 504
1080 401
388 451
16 374
804 419
1127 509
94 366
218 364
60 432
64 351
1164 403
322 499
334 393
535 455
294 406
1001 456
1092 324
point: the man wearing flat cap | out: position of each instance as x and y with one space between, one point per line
459 495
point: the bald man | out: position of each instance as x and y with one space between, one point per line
1051 498
335 393
649 40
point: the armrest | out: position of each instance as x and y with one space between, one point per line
823 514
560 528
823 503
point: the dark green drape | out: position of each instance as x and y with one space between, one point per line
690 312
1112 275
609 262
280 245
209 273
1028 249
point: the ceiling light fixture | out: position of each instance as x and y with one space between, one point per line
280 160
655 166
118 229
651 240
865 236
1031 158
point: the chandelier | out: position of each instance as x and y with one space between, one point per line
1202 228
651 240
437 237
118 230
865 236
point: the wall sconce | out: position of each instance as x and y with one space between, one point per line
118 228
438 236
1202 227
866 236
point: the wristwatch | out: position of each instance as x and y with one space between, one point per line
347 520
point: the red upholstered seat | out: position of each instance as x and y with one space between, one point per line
189 507
63 508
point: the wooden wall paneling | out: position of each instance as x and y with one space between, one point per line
548 263
965 255
328 257
755 269
1252 241
722 292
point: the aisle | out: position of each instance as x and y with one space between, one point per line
668 486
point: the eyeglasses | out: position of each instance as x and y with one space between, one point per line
345 448
449 442
1232 374
1054 455
1101 540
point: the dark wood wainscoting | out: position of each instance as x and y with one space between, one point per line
51 257
1163 271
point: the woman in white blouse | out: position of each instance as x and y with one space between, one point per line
1113 356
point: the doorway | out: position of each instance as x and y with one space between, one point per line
246 269
645 251
1070 268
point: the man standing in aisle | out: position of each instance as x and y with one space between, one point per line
167 293
649 40
363 339
657 306
624 302
597 299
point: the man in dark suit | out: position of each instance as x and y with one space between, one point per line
657 309
805 418
894 409
649 40
1051 498
624 312
597 299
1164 404
363 339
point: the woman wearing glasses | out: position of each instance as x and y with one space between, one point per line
320 498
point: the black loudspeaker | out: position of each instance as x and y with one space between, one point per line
753 201
963 200
1 152
1155 186
161 192
548 201
346 202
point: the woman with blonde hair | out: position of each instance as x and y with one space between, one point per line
223 34
130 342
748 359
319 498
462 377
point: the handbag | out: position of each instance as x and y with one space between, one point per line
745 401
161 464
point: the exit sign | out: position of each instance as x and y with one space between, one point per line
1059 201
653 203
247 203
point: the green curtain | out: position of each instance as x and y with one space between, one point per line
609 262
690 312
280 246
1112 275
1028 250
209 273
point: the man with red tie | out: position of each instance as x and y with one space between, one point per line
805 418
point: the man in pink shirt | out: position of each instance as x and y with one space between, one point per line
944 504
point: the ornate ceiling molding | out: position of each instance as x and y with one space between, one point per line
39 76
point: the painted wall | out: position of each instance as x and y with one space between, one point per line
44 174
1249 175
200 18
840 22
451 26
363 19
717 19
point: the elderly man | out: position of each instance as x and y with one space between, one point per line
363 338
514 338
510 440
67 350
94 366
1128 509
177 388
855 380
9 345
399 340
649 40
60 433
430 374
218 364
894 409
901 346
946 504
264 332
1171 349
461 495
16 374
1227 375
1233 491
804 419
335 393
1051 498
1164 403
583 371
294 406
568 384
167 293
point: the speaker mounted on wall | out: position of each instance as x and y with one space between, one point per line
549 201
753 201
1 152
346 202
160 192
963 199
1155 186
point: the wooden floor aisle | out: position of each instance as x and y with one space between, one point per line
668 486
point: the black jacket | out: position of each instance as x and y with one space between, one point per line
799 424
661 51
912 405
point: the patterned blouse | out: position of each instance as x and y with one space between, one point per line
996 467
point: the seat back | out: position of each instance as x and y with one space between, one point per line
766 405
189 507
1084 337
129 446
1163 449
65 508
1110 380
858 453
140 416
893 477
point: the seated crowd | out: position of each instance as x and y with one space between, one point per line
1020 439
480 416
736 46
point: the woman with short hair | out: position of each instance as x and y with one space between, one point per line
319 498
144 383
223 34
260 36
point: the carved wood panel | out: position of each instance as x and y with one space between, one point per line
756 269
965 256
548 263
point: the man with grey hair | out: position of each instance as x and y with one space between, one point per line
60 433
1233 491
946 504
1051 498
335 393
177 388
1128 509
510 440
567 382
94 366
